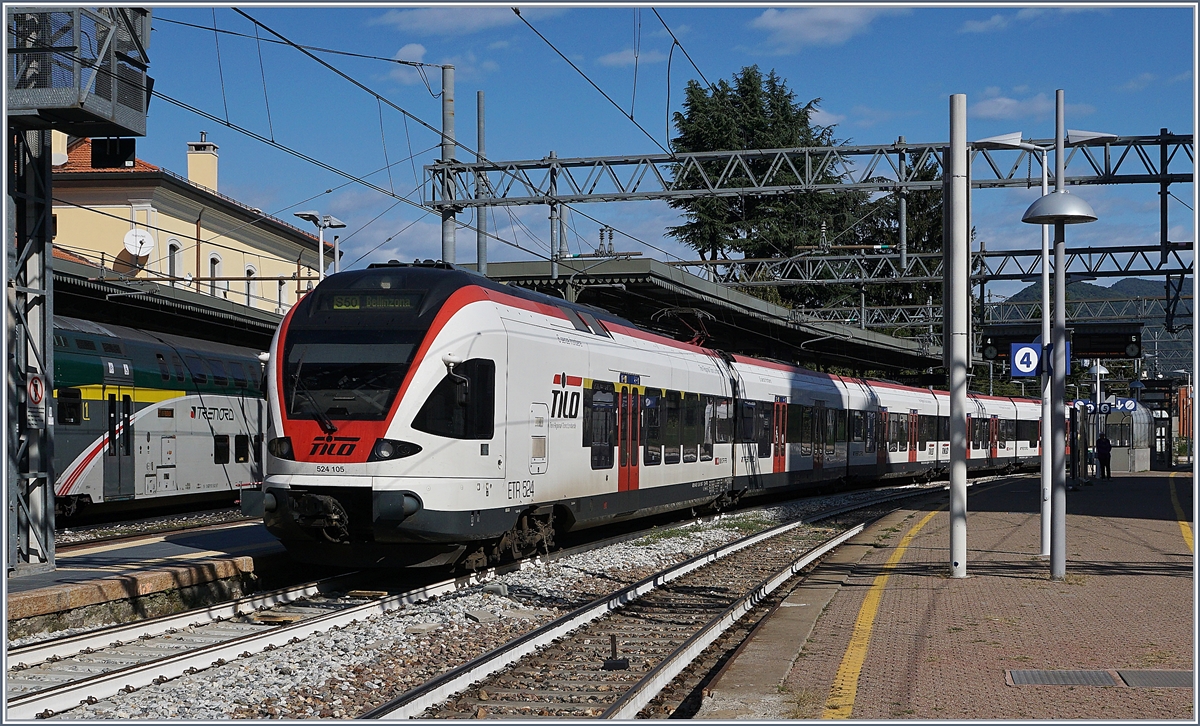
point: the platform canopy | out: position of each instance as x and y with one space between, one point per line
683 306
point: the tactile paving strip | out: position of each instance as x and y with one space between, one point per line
1061 678
1157 679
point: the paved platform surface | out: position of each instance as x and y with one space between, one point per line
107 572
880 630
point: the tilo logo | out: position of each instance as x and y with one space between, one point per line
333 445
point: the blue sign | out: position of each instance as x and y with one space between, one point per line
1125 404
1048 358
1026 360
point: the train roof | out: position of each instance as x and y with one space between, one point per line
121 332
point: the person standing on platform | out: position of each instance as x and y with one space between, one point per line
1104 457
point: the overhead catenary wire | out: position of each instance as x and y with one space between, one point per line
593 84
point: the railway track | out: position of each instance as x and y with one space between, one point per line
104 665
610 658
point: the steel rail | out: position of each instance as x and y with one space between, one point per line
660 676
103 685
415 701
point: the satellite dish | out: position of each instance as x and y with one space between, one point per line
138 242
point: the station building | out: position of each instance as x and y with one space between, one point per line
134 220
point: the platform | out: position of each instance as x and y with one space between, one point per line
880 630
157 575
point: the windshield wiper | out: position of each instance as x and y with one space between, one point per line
323 420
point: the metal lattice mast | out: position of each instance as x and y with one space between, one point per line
29 351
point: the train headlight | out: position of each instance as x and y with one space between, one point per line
388 449
281 448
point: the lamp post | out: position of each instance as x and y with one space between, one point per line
324 222
1013 141
1059 209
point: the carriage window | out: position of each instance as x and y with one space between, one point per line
82 344
724 421
708 407
830 429
238 374
114 348
162 367
458 408
856 426
600 423
841 425
693 432
762 429
241 448
806 431
221 449
70 406
196 368
652 427
178 366
869 431
218 370
795 423
672 428
943 428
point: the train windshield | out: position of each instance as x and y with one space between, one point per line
345 374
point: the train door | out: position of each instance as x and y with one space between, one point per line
818 432
912 437
881 439
118 454
629 418
994 436
779 435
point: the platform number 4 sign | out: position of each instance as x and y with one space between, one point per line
1026 359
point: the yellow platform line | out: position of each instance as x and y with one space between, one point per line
1181 516
845 684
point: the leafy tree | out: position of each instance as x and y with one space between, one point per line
754 112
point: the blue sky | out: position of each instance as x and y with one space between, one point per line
881 71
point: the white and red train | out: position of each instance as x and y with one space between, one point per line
425 415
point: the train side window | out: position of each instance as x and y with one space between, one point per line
856 426
83 344
196 369
745 422
600 423
841 425
162 367
178 366
114 348
708 408
652 427
724 421
238 374
806 430
221 449
763 427
220 378
241 448
869 431
693 433
671 427
831 415
462 410
943 428
795 423
70 407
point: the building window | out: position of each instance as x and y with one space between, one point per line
249 286
214 271
174 260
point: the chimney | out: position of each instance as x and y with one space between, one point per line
202 162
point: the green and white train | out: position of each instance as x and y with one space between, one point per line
145 418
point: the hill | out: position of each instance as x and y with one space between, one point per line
1125 289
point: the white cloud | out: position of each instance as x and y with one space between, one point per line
795 28
622 58
499 45
996 22
1002 107
1140 82
458 20
408 75
821 117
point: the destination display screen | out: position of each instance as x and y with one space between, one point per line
371 302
